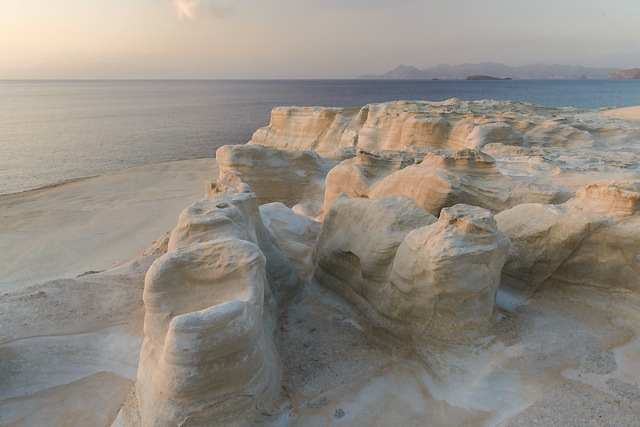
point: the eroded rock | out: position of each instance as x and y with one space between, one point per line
591 240
211 308
441 179
420 286
323 130
236 216
448 274
295 234
207 352
451 124
413 278
354 176
291 177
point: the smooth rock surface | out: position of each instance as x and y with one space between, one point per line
275 175
591 240
320 129
452 124
295 234
90 224
438 180
209 349
413 278
236 216
205 340
354 176
449 272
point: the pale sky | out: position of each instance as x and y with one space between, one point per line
212 39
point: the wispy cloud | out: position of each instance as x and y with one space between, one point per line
194 9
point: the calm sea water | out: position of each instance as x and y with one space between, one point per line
51 131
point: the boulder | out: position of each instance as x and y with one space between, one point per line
358 242
446 275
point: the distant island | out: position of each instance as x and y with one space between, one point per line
633 73
462 71
481 77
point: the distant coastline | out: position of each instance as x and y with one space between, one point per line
524 72
481 77
633 73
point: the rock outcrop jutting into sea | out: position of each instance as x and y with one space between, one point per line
406 263
633 73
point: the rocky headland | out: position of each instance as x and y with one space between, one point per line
404 263
633 73
528 71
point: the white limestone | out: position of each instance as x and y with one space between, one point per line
412 277
451 124
381 314
275 175
208 351
591 240
439 179
205 338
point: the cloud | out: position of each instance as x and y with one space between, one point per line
194 9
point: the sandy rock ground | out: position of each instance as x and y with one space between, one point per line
556 359
69 345
89 224
68 348
627 113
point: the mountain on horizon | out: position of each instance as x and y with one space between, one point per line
462 71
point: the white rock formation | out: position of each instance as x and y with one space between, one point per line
449 272
398 125
236 216
291 177
413 278
496 133
310 128
422 284
208 352
451 124
552 134
354 176
360 237
591 240
441 179
231 339
295 234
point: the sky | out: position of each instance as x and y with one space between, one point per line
255 39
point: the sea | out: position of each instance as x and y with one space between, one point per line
54 131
